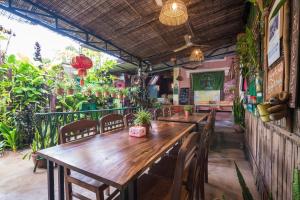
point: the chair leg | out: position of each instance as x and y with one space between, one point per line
99 195
202 184
68 186
107 191
206 169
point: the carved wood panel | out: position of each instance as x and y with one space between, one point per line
294 52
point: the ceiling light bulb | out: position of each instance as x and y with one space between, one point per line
174 6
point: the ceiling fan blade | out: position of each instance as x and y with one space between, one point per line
181 48
159 3
201 45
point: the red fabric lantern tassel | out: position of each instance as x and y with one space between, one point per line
81 82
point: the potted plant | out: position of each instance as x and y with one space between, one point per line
143 118
122 93
105 91
60 88
87 90
70 85
98 91
113 91
36 145
239 114
188 110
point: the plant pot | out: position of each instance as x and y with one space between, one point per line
98 94
42 163
70 91
147 127
88 93
120 96
187 113
113 95
106 94
238 128
60 91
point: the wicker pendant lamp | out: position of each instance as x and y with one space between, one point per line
173 13
197 55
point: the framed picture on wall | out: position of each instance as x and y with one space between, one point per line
274 39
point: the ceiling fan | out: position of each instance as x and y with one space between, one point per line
188 44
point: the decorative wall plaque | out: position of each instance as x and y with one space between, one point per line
275 80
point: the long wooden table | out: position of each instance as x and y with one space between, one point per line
195 118
115 159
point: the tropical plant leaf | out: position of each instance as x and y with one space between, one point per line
296 185
245 190
11 59
277 8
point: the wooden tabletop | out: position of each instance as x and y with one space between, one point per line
116 158
180 117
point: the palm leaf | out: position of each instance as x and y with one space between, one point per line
245 190
277 8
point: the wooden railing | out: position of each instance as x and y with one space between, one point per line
274 153
48 124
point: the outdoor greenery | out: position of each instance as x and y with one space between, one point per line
42 86
188 108
247 50
296 184
238 112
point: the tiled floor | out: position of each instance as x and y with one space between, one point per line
17 182
227 148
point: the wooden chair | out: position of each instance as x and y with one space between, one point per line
167 112
76 131
208 130
165 168
184 183
157 113
111 122
129 119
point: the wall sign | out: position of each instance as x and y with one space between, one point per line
275 80
184 96
274 39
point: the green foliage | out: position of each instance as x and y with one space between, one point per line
245 190
188 108
24 92
247 50
38 143
11 139
71 102
70 83
2 146
124 91
142 117
238 112
277 8
296 185
157 105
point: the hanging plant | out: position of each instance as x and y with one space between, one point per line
248 54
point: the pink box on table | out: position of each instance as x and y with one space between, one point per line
137 131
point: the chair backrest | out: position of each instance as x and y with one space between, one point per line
157 113
111 122
187 160
78 130
167 112
129 119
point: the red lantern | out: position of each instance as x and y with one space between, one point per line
82 63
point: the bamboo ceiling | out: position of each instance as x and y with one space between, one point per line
133 25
